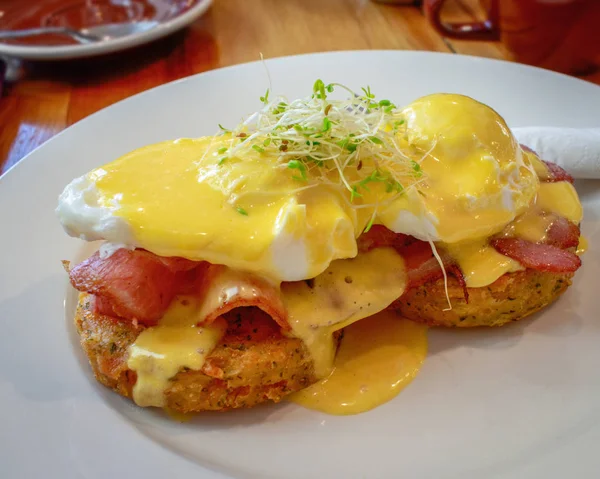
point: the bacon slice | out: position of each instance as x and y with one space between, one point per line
176 264
131 284
421 265
139 285
226 289
528 150
563 233
379 236
541 257
555 172
104 306
455 271
419 254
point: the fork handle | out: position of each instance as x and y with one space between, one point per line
30 32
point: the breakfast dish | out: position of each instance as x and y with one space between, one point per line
237 266
517 401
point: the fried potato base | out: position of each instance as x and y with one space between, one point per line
510 298
252 364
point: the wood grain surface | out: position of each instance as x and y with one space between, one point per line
48 97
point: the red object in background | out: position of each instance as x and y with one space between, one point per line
487 30
559 35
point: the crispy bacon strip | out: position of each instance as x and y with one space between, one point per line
541 257
104 306
555 172
527 149
139 285
225 289
455 271
176 264
379 236
563 233
421 265
132 284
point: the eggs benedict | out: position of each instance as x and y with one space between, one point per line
233 265
509 253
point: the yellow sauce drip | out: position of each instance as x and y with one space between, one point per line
349 290
176 342
560 198
378 357
532 226
540 168
482 264
179 416
583 245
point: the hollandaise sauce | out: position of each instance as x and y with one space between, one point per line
378 357
380 352
176 342
349 290
582 246
482 264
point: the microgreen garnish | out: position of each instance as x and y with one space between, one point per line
279 108
367 92
301 167
265 99
370 223
347 144
319 90
356 144
241 210
417 168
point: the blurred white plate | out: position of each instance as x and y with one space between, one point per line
138 37
521 401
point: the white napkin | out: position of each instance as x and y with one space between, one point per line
577 150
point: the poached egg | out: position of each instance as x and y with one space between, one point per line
186 198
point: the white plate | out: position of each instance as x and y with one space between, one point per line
65 52
522 401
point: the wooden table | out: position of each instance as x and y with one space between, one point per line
52 96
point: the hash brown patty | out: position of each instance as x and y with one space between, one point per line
252 364
511 297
